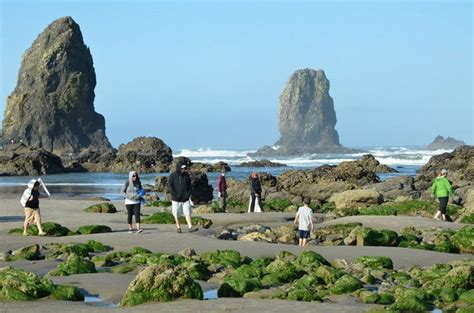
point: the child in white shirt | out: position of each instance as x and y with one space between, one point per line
305 221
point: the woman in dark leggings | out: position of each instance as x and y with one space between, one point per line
442 189
133 192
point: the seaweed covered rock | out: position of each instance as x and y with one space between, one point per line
74 264
364 236
464 239
375 262
310 260
93 229
19 285
105 207
26 253
51 229
81 249
227 258
345 284
238 286
158 283
167 218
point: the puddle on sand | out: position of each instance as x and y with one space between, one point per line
210 294
96 301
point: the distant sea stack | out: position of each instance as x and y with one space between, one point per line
52 106
306 117
445 143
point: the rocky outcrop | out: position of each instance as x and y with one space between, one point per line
200 167
306 117
52 106
20 160
353 199
460 166
319 183
261 163
143 154
395 187
445 143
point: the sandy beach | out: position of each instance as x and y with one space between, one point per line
163 238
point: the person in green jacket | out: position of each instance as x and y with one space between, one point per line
442 189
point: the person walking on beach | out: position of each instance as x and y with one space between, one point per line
304 220
255 194
179 186
30 201
133 192
222 189
442 189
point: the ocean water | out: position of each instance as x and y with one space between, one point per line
407 160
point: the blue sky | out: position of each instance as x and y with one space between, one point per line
209 74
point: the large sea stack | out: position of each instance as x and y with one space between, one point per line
306 117
52 106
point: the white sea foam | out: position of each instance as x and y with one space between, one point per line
385 155
202 153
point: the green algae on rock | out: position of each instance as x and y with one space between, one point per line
93 229
19 285
51 229
228 258
158 283
105 207
168 218
74 264
375 262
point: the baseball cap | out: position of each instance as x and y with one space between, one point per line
183 166
444 171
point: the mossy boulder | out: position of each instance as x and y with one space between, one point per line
159 283
283 271
308 261
448 295
168 218
464 239
227 258
93 229
369 237
237 286
26 253
16 284
102 261
345 284
369 297
285 256
328 274
276 204
123 268
159 203
458 277
467 296
375 262
67 293
19 285
385 298
249 271
410 304
468 219
302 295
197 270
74 264
105 207
136 250
81 249
51 229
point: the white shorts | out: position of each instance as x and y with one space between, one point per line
181 208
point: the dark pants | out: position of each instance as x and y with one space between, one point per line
224 200
443 202
252 203
133 209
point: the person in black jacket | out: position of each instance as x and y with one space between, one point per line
255 192
179 186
